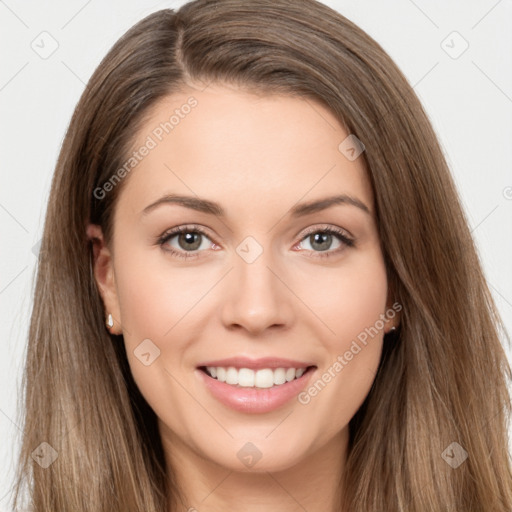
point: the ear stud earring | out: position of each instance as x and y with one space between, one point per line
110 321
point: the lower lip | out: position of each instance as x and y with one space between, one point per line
255 400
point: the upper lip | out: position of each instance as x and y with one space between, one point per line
257 364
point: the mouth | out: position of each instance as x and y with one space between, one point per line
262 378
261 389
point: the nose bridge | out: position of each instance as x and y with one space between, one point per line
256 299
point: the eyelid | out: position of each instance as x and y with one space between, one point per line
184 228
325 227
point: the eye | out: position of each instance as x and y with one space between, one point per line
189 241
320 241
185 241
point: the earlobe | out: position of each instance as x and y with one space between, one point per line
393 313
392 318
104 276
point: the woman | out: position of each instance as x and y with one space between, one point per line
258 288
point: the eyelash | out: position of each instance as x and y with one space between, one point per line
342 237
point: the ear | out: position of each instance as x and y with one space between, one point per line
103 269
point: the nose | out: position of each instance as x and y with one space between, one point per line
256 298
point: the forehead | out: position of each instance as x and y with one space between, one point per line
248 152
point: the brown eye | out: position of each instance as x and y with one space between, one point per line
185 241
189 241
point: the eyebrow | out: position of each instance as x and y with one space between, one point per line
300 210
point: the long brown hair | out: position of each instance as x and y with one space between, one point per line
443 374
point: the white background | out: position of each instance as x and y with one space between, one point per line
468 99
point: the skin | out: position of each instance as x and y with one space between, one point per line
257 156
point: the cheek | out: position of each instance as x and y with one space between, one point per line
163 303
158 303
360 302
352 304
155 294
345 300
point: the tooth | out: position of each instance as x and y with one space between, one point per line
264 378
246 377
290 374
221 374
232 376
279 376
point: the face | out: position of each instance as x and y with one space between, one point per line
277 266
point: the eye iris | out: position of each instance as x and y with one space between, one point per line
323 239
189 238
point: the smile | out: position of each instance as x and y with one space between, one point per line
254 390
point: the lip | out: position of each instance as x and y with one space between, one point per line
257 364
254 400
